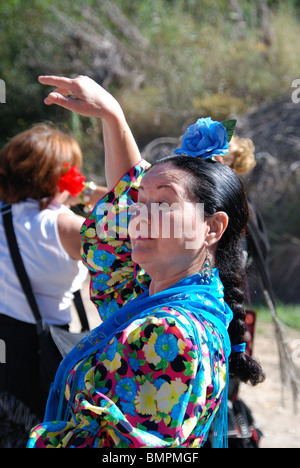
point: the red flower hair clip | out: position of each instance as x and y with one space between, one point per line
72 181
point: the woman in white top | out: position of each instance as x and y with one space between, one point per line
36 168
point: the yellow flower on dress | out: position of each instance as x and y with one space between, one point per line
90 233
149 351
181 345
189 425
116 277
120 188
90 259
113 365
133 335
114 242
169 393
146 399
223 373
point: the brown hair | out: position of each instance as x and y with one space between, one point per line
33 161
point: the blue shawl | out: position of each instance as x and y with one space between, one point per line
204 302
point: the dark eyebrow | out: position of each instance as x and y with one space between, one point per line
160 186
165 186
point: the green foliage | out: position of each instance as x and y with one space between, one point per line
167 61
230 126
288 314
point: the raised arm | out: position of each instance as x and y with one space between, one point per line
85 97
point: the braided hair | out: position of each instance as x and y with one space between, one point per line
218 188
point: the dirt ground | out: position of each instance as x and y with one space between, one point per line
272 408
271 404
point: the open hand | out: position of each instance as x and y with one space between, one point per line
81 95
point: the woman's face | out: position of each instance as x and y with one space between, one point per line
167 227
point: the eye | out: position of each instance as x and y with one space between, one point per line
165 207
135 208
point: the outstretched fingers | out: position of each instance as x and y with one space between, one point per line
60 96
57 81
69 93
82 95
59 99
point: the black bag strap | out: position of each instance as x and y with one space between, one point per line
81 311
17 260
22 273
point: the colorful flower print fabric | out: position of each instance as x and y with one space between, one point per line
155 384
151 387
106 248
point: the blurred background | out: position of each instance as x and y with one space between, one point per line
169 62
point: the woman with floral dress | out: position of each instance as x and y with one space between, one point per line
162 249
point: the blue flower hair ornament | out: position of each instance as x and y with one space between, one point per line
207 138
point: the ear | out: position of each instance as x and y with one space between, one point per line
219 158
217 225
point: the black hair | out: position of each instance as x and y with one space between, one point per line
218 188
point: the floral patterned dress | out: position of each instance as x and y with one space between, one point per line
154 385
